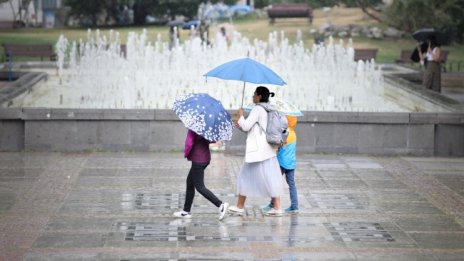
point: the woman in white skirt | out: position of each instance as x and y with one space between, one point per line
260 174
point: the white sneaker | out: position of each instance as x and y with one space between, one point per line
274 213
236 210
223 210
182 214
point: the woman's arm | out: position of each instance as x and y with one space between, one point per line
437 54
421 55
249 122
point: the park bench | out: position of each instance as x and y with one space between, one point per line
443 59
289 10
365 54
31 50
6 24
405 57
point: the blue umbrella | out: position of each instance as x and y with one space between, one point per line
246 70
204 115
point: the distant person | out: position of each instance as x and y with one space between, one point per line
260 173
222 29
432 75
203 30
125 15
173 37
287 161
197 151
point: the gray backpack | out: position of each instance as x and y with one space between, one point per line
277 127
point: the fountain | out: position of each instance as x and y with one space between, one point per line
150 75
100 95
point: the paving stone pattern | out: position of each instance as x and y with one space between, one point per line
118 206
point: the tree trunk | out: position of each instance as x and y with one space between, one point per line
14 13
365 6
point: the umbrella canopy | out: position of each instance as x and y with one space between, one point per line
424 34
204 115
246 70
191 23
280 105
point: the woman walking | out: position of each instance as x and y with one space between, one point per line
260 174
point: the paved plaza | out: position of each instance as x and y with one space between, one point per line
118 206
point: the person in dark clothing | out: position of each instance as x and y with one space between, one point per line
197 151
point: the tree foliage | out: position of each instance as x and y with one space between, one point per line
315 3
410 15
87 9
92 11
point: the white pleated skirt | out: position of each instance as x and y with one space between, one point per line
260 179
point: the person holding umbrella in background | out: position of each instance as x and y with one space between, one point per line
432 75
207 121
432 55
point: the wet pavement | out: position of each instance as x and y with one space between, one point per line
118 206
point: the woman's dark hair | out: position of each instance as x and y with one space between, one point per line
433 41
264 93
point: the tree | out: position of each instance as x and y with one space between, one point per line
410 15
367 6
22 9
86 10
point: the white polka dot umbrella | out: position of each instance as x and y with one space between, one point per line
205 116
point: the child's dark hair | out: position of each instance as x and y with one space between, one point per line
264 93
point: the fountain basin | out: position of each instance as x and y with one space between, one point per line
348 108
431 124
46 129
16 83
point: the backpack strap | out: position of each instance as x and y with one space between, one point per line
267 111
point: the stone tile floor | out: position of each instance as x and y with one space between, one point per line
118 206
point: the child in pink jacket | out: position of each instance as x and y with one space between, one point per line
197 151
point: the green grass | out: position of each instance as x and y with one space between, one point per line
251 27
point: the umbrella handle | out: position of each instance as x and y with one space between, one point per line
243 94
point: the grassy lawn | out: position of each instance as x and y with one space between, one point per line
251 27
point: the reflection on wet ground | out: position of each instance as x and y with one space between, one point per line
118 206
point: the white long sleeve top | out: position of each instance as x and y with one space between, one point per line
257 147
